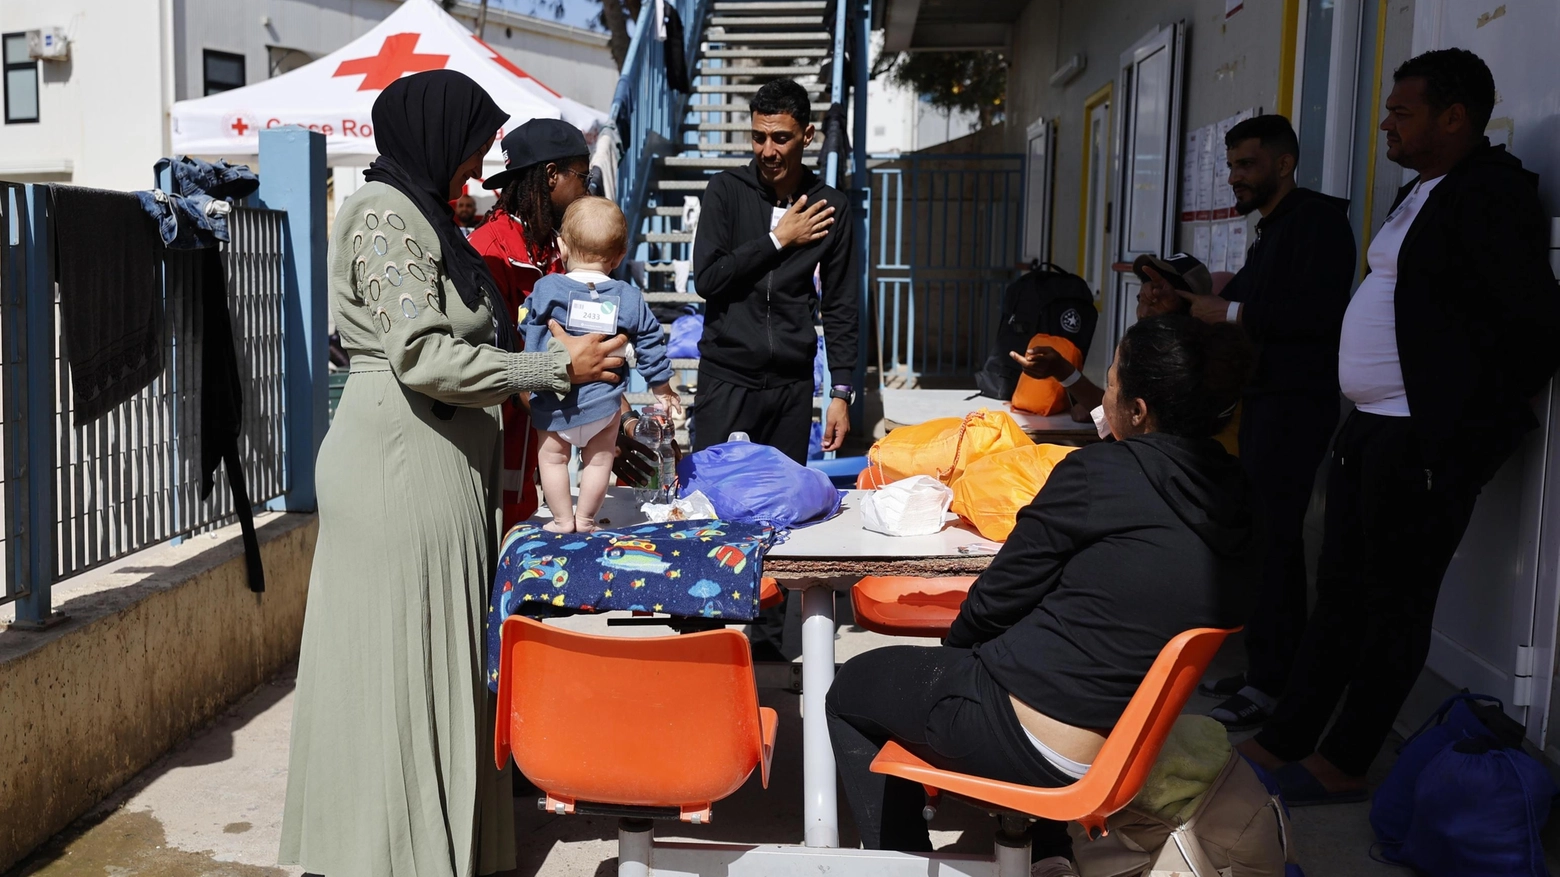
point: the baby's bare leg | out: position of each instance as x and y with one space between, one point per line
553 461
595 476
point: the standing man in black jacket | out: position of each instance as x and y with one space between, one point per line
1290 297
763 231
1445 343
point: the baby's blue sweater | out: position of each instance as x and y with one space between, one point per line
549 300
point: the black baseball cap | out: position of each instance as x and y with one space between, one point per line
534 142
1183 272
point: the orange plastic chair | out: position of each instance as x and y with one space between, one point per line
671 724
908 605
1118 772
769 593
870 478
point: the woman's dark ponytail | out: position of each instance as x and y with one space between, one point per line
1190 374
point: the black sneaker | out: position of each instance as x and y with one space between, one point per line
1229 686
1241 713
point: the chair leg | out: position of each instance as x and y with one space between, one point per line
635 837
1012 852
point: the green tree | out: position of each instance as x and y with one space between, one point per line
969 81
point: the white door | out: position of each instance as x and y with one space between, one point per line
1038 177
1095 267
1495 622
1148 148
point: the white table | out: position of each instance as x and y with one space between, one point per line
906 407
841 549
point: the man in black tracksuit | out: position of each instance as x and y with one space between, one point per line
1445 343
1290 298
763 230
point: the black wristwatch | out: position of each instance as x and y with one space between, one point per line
623 420
842 391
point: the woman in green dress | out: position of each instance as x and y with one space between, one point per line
391 771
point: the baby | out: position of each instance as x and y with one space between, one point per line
593 242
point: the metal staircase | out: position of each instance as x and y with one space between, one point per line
674 142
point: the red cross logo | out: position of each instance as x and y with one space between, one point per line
396 58
239 126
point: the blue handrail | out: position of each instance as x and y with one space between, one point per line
646 109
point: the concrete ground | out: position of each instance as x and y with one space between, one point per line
213 806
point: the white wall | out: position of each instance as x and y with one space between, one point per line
901 122
101 114
1231 65
934 127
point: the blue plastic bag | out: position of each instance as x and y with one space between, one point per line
752 482
1392 806
683 341
1478 810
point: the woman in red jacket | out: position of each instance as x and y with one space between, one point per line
546 165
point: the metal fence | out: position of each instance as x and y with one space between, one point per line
944 241
131 478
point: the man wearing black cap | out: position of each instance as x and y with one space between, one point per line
545 168
764 230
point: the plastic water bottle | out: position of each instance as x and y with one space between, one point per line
738 436
649 432
667 461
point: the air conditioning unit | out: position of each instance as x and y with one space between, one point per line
48 44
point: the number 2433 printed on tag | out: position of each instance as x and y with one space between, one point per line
593 315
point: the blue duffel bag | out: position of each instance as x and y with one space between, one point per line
1479 806
1459 717
1463 798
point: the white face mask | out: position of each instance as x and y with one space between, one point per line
1101 425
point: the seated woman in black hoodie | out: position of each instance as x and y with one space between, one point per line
1129 543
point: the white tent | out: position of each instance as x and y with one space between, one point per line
335 94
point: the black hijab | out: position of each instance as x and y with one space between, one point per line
425 126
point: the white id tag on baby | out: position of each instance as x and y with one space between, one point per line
593 312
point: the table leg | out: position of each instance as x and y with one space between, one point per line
818 779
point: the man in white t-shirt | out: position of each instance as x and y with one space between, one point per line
1454 329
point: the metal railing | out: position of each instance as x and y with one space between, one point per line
647 111
131 478
944 241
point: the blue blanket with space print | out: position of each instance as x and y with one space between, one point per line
708 569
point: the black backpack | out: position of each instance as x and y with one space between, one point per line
1046 301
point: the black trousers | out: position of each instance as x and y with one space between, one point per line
1392 527
780 417
942 705
1283 438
